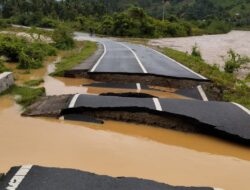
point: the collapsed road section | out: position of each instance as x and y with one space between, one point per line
124 62
40 178
227 120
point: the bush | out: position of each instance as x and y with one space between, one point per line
10 46
196 52
48 23
27 62
29 55
218 27
63 38
234 62
176 30
107 26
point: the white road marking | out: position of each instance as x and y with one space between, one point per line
18 177
178 63
218 189
136 57
242 107
157 104
100 59
202 93
138 85
73 101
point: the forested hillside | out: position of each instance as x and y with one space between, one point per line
138 18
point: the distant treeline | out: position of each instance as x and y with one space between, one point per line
137 18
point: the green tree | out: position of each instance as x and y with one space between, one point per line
107 26
63 37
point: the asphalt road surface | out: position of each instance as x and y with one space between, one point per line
41 178
227 117
121 57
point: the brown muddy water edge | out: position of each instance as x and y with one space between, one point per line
121 149
117 148
57 106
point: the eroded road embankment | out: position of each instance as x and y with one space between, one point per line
215 118
29 177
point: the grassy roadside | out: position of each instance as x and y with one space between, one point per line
25 95
234 90
85 49
32 83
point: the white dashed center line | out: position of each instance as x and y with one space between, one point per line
202 93
138 86
73 101
136 57
157 104
19 177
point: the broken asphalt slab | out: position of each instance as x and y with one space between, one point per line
223 119
41 178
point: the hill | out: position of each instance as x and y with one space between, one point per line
137 18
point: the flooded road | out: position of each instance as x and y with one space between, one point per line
118 149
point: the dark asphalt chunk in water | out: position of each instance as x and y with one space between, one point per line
41 178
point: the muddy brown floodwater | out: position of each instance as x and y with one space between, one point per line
119 149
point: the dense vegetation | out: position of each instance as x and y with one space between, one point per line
124 18
28 55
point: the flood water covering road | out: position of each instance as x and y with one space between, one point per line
119 149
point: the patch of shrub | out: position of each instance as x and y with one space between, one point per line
218 27
63 38
234 62
29 55
48 23
196 52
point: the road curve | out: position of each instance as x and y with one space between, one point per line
123 57
116 59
